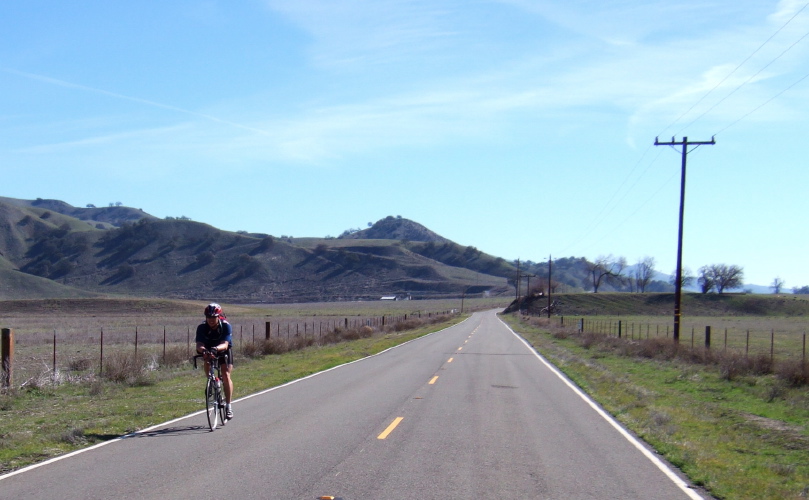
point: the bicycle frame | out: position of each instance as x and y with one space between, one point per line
214 400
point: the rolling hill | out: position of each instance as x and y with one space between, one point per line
51 249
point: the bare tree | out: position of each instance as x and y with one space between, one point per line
687 278
705 279
720 276
606 268
777 285
727 277
644 270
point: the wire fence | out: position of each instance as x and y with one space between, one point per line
80 345
781 338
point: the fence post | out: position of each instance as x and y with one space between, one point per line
267 330
772 344
101 357
747 344
619 328
54 352
136 342
707 337
164 345
8 357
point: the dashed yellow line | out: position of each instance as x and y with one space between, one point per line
460 348
450 360
432 380
390 428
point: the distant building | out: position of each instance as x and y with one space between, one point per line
400 296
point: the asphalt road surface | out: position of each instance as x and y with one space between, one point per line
470 412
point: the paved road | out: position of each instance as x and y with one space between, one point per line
468 412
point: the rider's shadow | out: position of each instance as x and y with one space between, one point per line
172 431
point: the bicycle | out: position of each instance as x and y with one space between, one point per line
214 399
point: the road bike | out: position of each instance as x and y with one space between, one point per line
214 398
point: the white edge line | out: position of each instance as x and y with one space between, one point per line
149 429
606 416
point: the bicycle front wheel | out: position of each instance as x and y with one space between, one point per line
212 404
220 397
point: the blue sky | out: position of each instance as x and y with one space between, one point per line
524 128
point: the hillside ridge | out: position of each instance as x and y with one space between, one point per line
50 249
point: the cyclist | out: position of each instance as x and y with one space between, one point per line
216 336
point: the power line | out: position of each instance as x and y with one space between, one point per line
609 207
746 82
762 104
734 71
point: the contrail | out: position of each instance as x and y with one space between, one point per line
62 83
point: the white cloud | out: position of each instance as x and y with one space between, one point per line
362 32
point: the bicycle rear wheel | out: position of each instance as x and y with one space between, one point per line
212 403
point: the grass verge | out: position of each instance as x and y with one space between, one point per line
46 420
741 438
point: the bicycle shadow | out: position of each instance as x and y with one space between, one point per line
172 431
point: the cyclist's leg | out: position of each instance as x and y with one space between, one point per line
227 381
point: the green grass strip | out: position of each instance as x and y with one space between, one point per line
740 439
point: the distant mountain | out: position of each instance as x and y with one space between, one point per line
395 228
49 248
101 218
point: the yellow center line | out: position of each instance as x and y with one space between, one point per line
432 380
390 428
460 348
450 360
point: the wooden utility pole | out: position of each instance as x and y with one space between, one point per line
550 263
679 278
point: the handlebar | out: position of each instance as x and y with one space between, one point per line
213 355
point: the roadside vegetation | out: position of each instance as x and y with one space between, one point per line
735 424
58 413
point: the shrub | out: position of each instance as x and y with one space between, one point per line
794 372
410 324
265 347
72 436
731 366
175 356
79 364
122 368
298 343
251 350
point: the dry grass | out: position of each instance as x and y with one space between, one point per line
732 364
138 349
